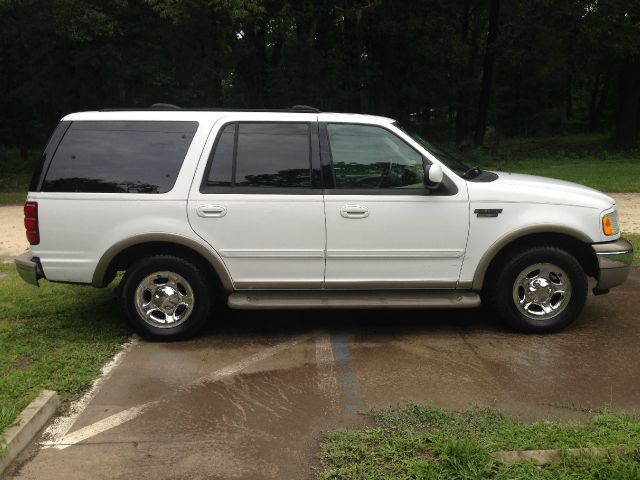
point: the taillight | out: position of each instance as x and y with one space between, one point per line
31 222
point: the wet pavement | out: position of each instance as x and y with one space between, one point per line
251 397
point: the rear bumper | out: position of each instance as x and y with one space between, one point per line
614 263
29 268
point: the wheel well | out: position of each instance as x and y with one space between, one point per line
580 250
123 260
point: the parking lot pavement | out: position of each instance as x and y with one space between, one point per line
250 398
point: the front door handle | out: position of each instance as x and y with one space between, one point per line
209 211
354 211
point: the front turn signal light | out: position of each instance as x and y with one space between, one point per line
607 227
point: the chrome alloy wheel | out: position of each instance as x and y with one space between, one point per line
541 291
164 299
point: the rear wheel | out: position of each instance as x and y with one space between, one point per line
164 298
539 290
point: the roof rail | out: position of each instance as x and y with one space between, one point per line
169 106
305 108
165 106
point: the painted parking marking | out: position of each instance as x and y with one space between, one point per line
129 414
346 374
55 432
325 363
324 350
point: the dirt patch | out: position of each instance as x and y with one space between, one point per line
12 237
629 207
23 362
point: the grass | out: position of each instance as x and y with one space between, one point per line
634 238
15 175
421 442
54 337
587 159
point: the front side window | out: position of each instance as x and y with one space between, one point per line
366 157
262 155
119 157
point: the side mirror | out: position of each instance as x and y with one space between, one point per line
433 176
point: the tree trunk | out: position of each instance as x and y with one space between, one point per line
23 142
628 102
487 73
461 107
599 95
602 101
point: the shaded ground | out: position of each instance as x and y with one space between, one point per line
239 403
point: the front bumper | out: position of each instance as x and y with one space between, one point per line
614 263
29 268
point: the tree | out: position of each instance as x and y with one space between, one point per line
487 72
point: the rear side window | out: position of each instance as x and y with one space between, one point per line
262 155
119 157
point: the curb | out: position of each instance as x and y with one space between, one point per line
28 425
545 457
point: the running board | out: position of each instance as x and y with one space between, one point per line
276 300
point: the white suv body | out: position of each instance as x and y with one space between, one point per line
366 225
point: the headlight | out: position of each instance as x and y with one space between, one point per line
610 223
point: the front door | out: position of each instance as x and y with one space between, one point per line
259 202
385 229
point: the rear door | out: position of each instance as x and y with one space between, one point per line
258 200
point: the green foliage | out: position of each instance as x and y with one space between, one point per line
634 238
16 175
558 64
587 159
418 441
54 337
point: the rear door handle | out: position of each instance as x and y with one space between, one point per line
209 211
354 211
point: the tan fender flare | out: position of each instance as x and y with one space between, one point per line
209 254
498 245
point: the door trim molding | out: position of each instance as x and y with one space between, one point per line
433 253
259 253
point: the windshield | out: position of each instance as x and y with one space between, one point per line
445 157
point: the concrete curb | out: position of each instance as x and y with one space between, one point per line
544 457
29 423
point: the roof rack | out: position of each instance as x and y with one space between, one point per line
171 107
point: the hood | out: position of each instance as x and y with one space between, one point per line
534 189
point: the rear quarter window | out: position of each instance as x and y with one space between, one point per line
119 157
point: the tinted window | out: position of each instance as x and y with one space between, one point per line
266 155
49 150
365 156
222 162
119 157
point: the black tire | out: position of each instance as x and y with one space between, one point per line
517 306
187 294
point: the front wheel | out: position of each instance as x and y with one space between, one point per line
164 298
539 290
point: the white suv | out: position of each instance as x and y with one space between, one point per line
302 209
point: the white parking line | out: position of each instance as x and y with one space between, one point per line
101 426
324 352
55 432
133 412
325 361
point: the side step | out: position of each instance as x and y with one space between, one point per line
280 299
